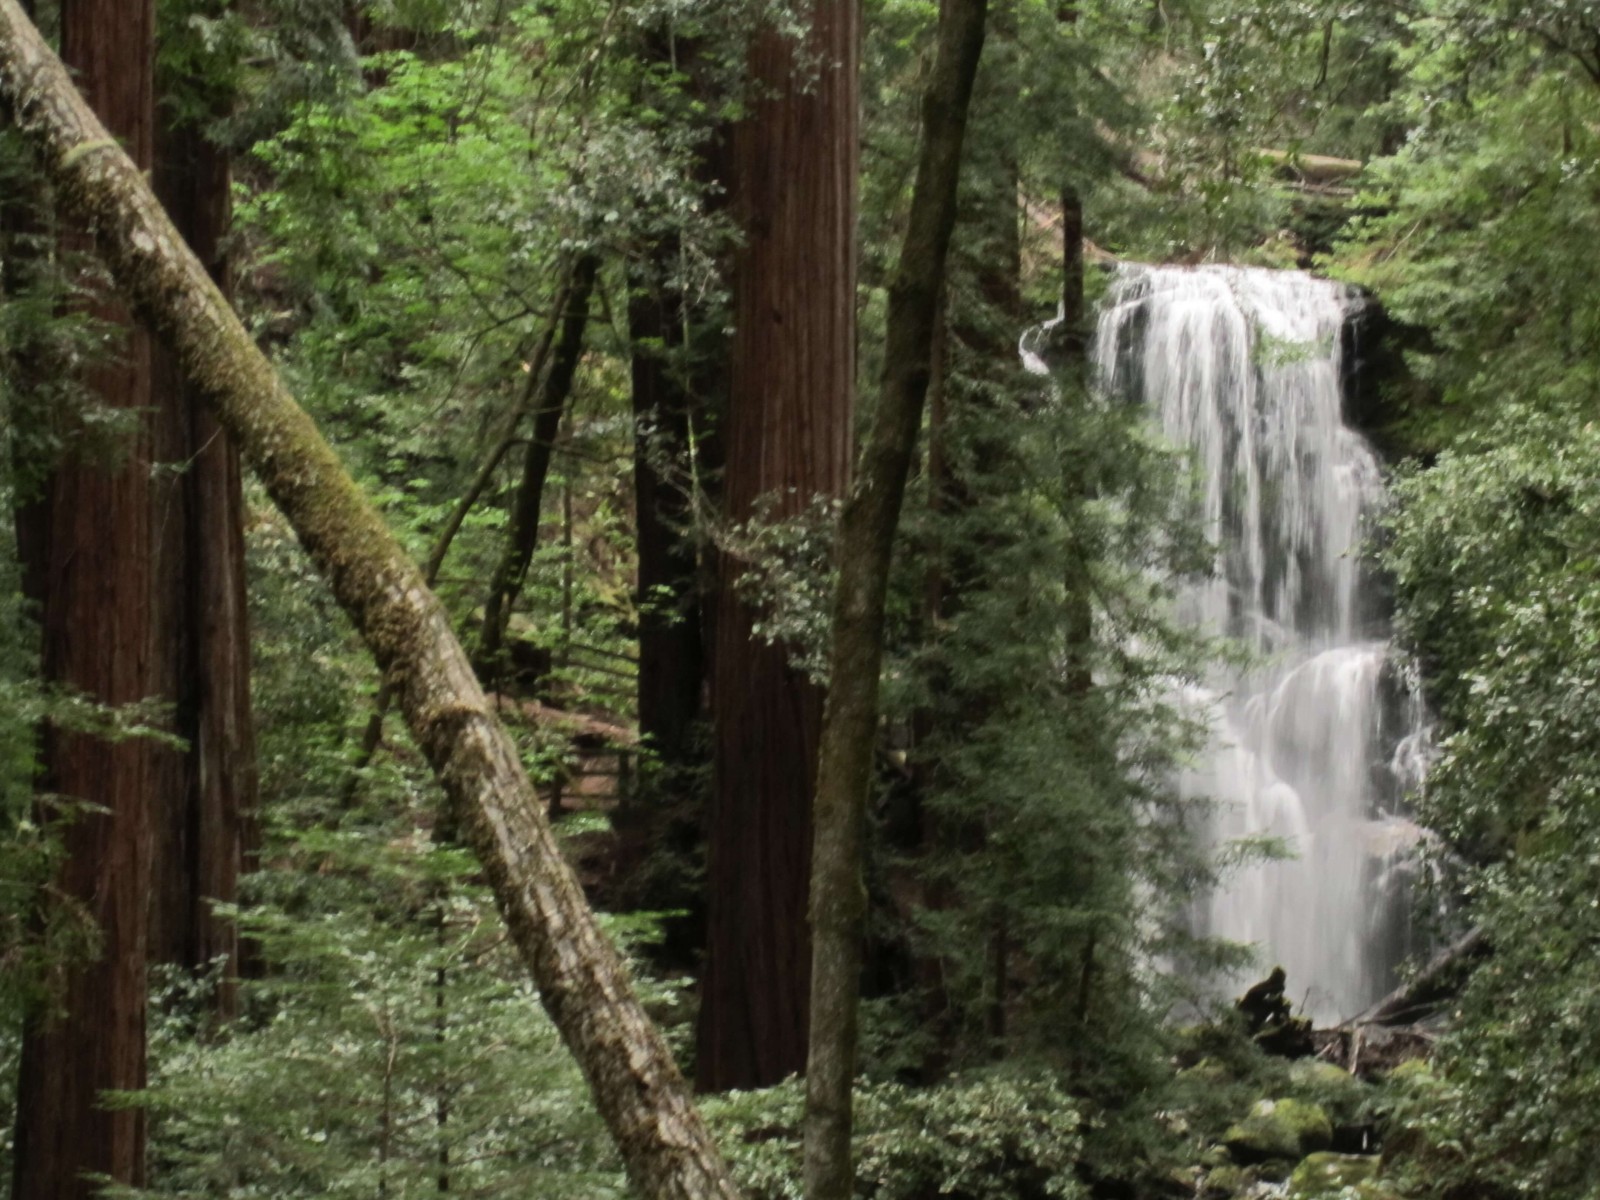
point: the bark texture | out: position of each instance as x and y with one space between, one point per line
87 540
792 184
866 540
582 980
206 797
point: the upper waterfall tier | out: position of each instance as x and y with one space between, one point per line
1314 743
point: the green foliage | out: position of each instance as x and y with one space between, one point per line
394 1041
1229 94
1475 220
983 1136
27 852
1472 236
407 208
1028 853
788 576
1493 552
408 233
1045 689
397 1045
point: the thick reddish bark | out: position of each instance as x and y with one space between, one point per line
89 536
792 186
204 825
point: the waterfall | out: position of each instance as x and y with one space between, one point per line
1317 741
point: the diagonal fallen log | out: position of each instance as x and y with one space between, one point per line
582 980
1436 982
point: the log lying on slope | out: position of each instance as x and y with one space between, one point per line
582 980
1313 168
1436 982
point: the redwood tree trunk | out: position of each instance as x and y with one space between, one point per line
792 186
866 540
204 824
582 980
679 378
89 536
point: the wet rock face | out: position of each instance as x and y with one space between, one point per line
1381 394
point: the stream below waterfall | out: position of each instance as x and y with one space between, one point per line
1317 742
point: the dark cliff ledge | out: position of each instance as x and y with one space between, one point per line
1383 397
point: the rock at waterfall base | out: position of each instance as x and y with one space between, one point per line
1279 1129
1328 1175
1229 1181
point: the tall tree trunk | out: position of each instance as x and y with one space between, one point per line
89 534
672 657
1070 360
204 824
866 541
792 377
679 378
584 983
522 537
1073 310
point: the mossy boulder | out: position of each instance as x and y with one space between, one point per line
1275 1170
1228 1181
1414 1072
1286 1129
1334 1088
1346 1100
1320 1175
1216 1156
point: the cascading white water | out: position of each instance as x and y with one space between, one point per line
1318 741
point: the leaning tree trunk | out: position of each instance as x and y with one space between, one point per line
87 538
582 980
866 540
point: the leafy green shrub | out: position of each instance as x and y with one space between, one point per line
995 1136
1494 551
397 1047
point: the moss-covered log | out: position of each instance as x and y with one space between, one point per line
581 978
